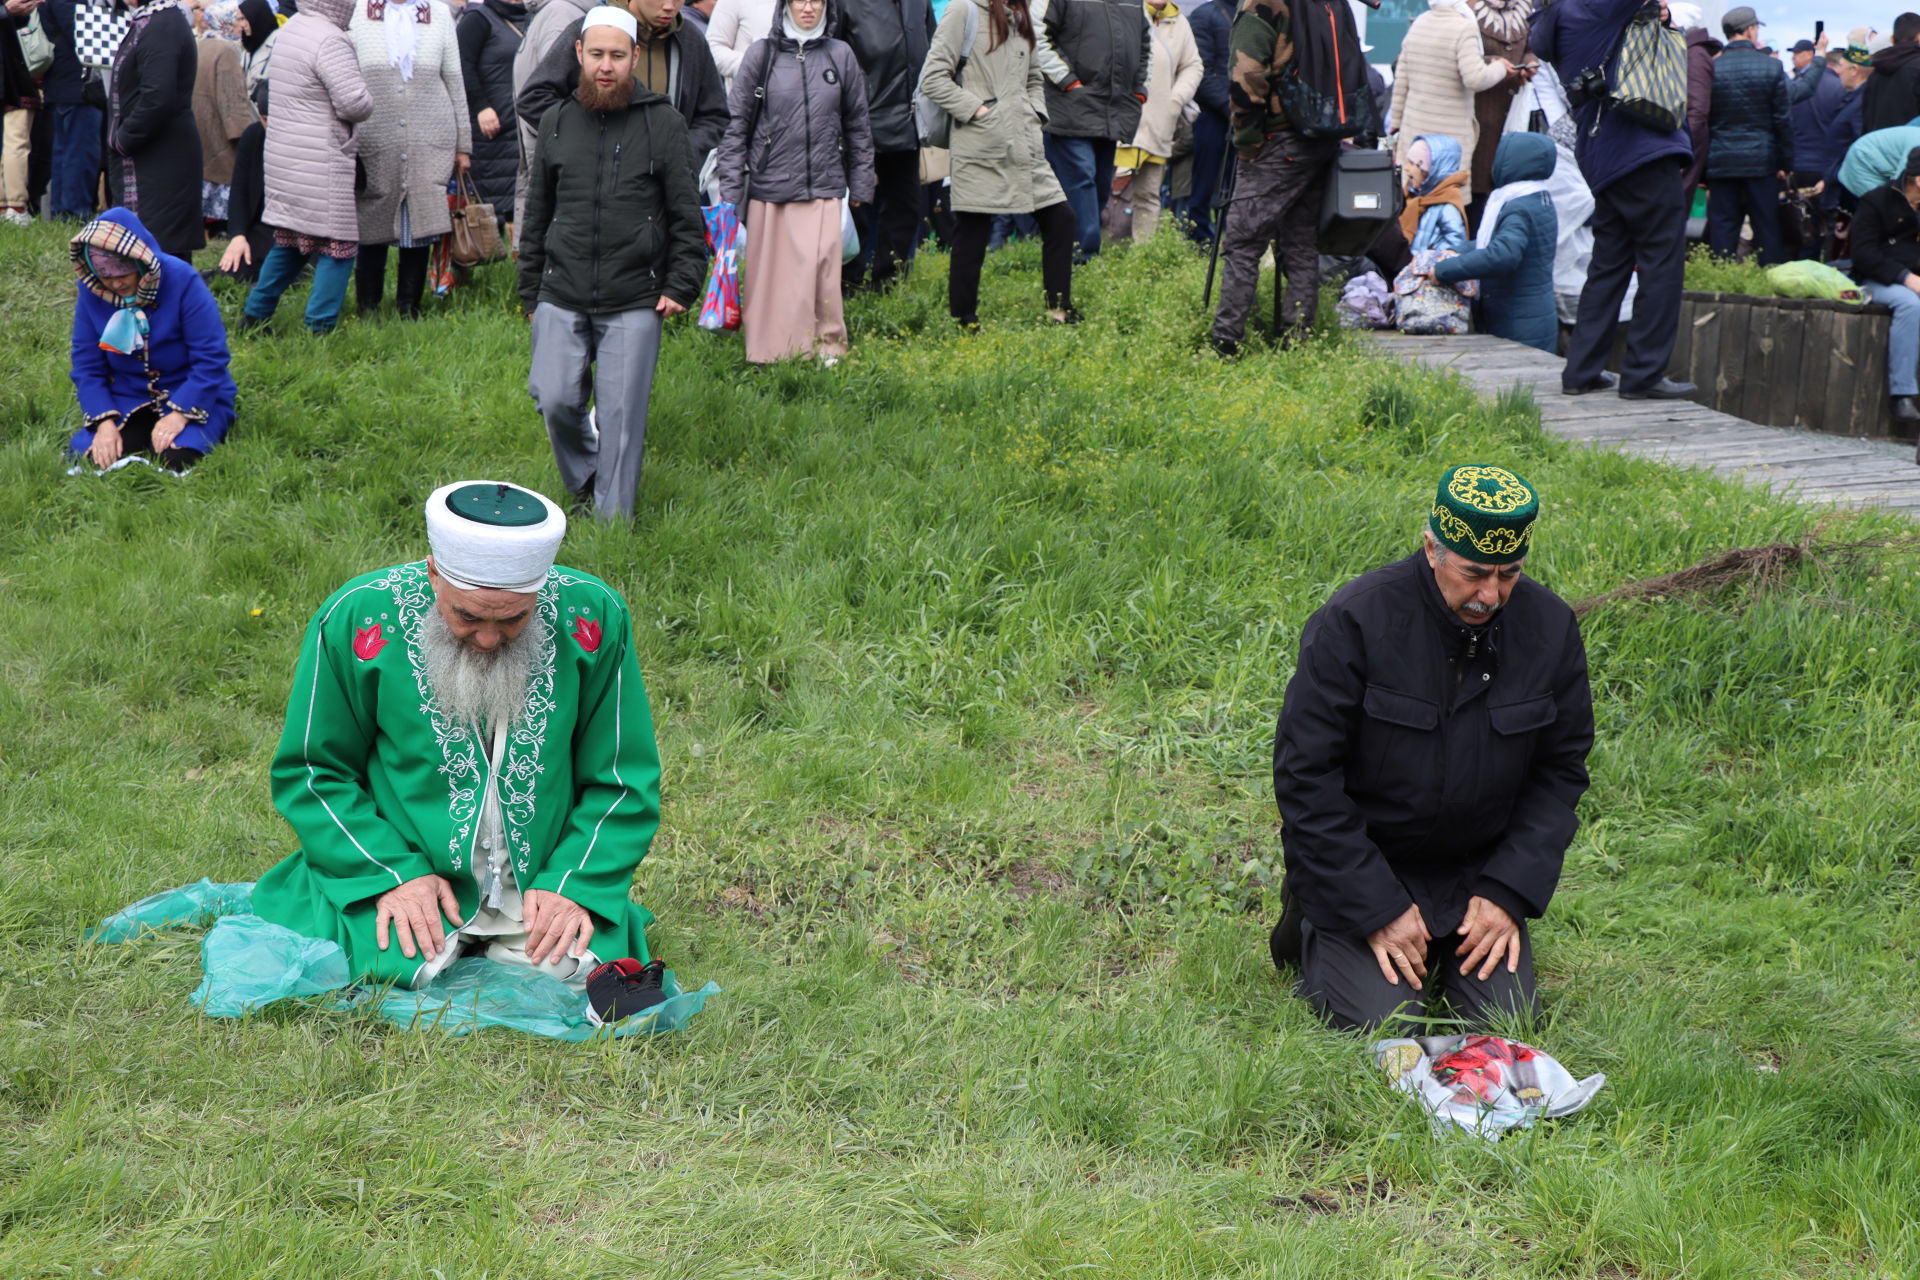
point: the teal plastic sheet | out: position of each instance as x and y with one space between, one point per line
249 963
194 904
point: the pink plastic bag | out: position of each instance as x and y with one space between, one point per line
720 308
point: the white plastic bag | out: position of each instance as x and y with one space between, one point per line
849 233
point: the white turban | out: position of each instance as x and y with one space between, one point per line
606 15
491 536
1686 16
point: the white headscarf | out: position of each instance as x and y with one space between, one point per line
794 33
400 21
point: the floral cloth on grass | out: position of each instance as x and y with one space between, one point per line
249 963
1482 1084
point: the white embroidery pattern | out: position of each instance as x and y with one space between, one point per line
461 760
520 771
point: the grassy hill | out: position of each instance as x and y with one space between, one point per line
965 657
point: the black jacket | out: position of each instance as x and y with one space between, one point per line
1421 760
1108 44
889 39
1891 95
699 94
153 133
613 219
489 36
1886 237
1750 126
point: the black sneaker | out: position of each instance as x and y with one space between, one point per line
621 988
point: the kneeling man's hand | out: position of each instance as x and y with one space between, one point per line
555 924
1490 934
414 911
1402 945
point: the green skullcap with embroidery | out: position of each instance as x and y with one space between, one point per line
1484 513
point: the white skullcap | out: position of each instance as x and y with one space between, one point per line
491 536
606 15
1686 16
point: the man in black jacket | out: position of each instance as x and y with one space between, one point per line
1892 95
1428 760
889 39
1095 55
671 58
1749 142
613 245
1886 262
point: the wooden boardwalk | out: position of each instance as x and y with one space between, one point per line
1834 470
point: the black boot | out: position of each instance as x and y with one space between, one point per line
370 278
1906 417
410 280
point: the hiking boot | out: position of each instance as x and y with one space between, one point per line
621 988
1225 348
1905 414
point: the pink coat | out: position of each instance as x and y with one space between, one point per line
317 96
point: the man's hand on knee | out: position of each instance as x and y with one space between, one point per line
414 910
1401 948
556 925
1489 935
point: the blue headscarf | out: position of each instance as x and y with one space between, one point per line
1445 162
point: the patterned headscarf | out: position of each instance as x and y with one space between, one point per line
106 248
1504 20
222 19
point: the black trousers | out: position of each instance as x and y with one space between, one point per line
1058 235
887 230
136 436
1639 220
1342 981
1732 202
410 282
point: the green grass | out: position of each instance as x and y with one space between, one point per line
965 657
1744 276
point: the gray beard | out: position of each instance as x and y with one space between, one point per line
480 691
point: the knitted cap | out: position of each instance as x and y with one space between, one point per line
1485 513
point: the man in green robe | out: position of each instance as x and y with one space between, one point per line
469 763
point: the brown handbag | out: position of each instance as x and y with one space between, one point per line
476 232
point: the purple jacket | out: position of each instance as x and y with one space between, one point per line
1574 35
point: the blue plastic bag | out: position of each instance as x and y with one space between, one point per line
250 962
193 904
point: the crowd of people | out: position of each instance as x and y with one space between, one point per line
343 141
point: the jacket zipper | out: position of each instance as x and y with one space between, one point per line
806 108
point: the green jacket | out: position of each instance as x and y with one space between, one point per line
1259 45
613 218
380 788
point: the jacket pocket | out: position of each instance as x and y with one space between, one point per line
1523 717
1402 709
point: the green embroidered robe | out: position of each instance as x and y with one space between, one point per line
380 787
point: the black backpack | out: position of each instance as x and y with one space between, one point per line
1324 88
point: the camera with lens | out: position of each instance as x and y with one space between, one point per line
1589 86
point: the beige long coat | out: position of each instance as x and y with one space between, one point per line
1171 84
1440 69
318 95
999 161
408 143
221 107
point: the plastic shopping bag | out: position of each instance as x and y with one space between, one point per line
849 232
726 239
1428 307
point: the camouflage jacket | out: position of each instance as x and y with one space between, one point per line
1261 44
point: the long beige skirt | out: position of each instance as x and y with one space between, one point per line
790 290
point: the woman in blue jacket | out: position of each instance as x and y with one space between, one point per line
149 349
1513 256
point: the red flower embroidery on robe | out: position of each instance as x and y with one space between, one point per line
367 643
587 632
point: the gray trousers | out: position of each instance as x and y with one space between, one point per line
1276 201
1342 981
609 359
